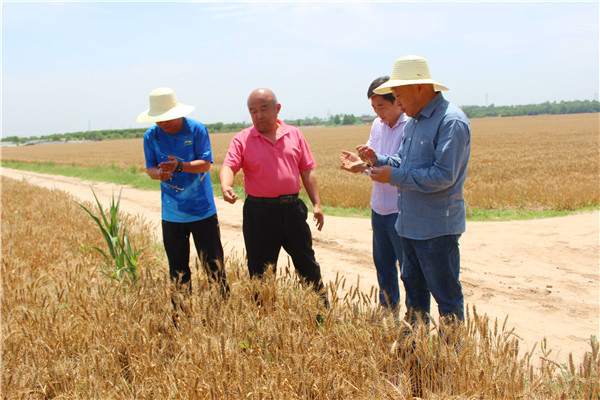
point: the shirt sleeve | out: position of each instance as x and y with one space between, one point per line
307 160
372 134
234 158
385 159
149 153
202 146
450 153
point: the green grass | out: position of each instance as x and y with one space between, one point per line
130 176
514 214
139 180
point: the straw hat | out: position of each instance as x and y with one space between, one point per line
164 107
409 70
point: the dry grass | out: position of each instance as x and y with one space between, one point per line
69 332
540 162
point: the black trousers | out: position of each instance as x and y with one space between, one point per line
207 238
268 227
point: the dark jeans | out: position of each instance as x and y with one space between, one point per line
387 257
207 238
268 227
432 267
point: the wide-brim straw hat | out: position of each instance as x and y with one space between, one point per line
409 70
164 107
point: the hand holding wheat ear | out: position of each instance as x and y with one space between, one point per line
367 154
352 163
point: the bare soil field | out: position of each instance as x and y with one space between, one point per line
543 275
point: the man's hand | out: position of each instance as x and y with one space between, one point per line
164 175
318 216
226 176
169 166
160 174
228 194
367 154
381 174
352 163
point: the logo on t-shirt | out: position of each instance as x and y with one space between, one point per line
187 143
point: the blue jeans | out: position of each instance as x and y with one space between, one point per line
432 267
387 256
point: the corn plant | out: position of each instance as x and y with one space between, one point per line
122 257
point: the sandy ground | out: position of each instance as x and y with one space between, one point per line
543 274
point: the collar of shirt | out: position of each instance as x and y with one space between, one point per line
284 130
401 120
430 107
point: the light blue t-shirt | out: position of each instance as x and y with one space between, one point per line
430 170
186 197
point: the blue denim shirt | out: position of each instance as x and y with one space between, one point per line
430 170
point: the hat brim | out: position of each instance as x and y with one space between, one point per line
180 110
386 87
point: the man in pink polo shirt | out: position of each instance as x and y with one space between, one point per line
274 156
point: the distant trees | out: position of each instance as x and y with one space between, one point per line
564 107
314 121
349 119
220 127
12 139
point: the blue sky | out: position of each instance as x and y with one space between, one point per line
70 66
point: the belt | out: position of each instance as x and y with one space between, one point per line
286 199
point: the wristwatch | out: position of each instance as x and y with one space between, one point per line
179 167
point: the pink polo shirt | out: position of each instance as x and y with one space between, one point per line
270 169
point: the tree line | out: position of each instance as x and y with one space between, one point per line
218 127
564 107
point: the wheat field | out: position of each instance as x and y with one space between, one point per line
69 332
534 163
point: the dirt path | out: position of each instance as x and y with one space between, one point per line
543 274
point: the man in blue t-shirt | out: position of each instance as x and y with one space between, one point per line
178 153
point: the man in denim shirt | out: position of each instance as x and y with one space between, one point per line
429 172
